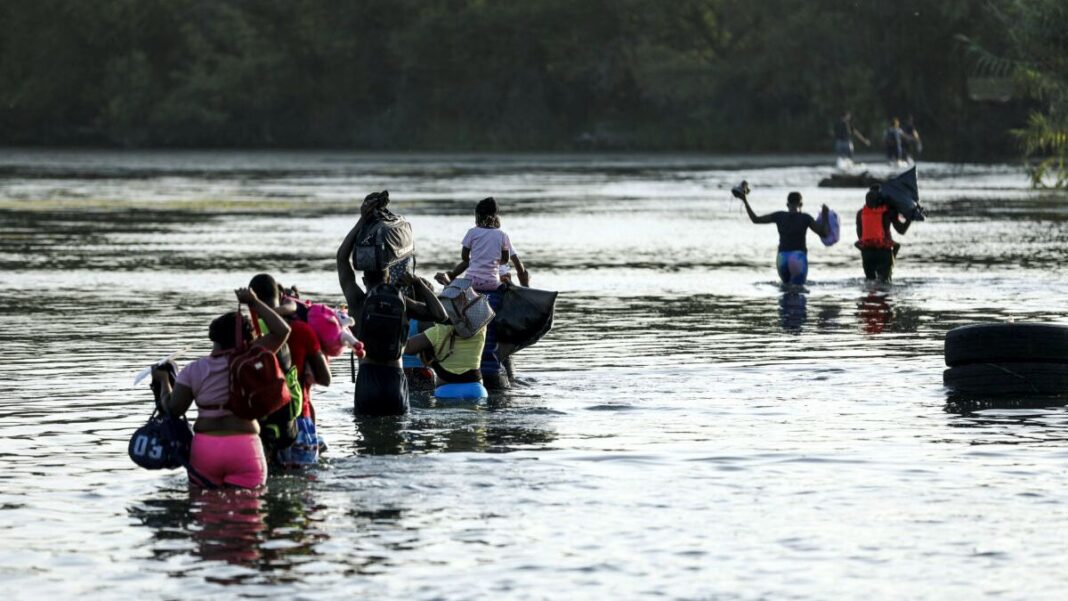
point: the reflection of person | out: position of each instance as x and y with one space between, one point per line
226 449
793 225
843 136
874 312
877 246
793 309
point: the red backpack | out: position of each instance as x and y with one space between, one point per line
257 384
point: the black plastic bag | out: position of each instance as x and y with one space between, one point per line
903 193
525 315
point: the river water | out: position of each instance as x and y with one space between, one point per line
687 430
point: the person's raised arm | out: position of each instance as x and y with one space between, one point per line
823 227
425 306
753 216
277 328
895 220
444 277
346 275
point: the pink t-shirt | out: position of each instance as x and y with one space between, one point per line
209 379
486 245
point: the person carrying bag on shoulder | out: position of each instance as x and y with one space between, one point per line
238 383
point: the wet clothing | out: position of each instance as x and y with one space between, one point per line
792 228
878 263
380 390
792 266
486 245
229 460
454 354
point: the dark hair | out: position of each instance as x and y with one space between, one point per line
486 213
793 198
265 287
874 196
221 330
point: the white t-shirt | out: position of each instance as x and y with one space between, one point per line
486 246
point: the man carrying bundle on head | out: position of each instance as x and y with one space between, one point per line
381 246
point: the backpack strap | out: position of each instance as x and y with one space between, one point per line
451 340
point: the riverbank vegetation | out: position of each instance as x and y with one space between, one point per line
686 75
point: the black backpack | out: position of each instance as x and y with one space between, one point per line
383 324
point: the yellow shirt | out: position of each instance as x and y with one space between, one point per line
465 353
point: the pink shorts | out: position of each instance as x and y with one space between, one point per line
231 460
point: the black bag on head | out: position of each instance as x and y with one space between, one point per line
383 325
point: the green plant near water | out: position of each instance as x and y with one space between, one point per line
1036 60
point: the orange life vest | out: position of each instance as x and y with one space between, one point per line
872 231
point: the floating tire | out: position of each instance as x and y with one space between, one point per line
999 379
1007 343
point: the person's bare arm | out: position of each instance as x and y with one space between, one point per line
277 328
346 275
521 271
769 218
417 344
425 306
175 401
445 277
895 220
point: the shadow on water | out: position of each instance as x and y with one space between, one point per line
793 311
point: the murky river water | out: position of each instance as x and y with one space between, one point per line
687 430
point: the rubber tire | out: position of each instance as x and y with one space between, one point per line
991 379
1007 343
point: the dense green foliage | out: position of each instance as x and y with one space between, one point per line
714 75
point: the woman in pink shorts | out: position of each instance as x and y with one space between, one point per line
226 449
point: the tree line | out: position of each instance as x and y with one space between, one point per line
701 75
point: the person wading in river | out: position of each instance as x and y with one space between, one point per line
382 324
792 259
877 248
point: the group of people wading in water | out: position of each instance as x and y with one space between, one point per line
408 335
411 337
874 221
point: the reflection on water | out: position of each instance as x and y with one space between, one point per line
680 385
793 310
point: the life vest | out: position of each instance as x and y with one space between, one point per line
872 231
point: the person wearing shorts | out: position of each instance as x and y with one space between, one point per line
226 449
791 262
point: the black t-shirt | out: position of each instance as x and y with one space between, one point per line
792 227
843 130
